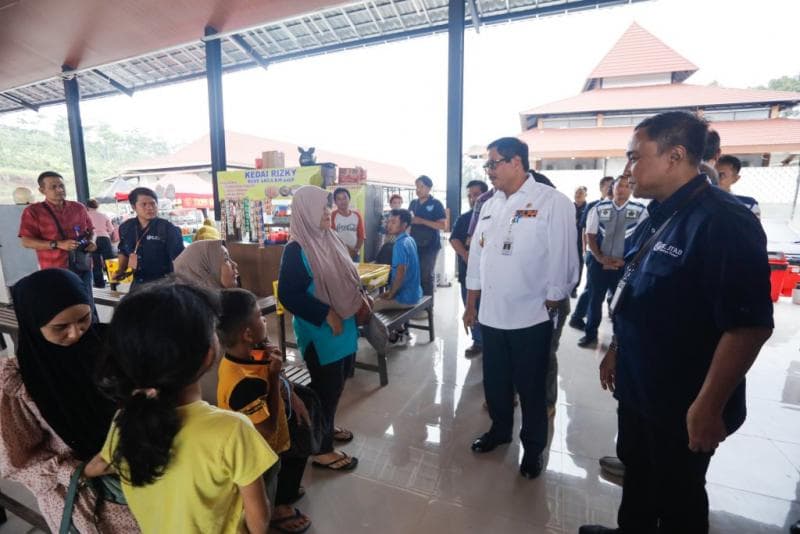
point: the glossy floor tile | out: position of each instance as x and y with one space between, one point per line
417 475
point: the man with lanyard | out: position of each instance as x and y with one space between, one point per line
582 306
690 316
57 228
560 312
429 219
609 227
522 262
460 241
147 243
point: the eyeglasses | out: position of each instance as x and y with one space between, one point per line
491 164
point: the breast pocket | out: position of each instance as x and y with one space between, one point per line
660 265
530 235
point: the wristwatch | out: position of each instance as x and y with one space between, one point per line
53 245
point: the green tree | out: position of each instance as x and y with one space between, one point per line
785 83
25 152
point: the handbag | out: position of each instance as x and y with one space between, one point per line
107 488
306 440
364 313
80 261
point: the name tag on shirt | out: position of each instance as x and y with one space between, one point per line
525 214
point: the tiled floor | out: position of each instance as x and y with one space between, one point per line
417 474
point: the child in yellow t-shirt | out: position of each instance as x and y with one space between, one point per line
250 383
185 466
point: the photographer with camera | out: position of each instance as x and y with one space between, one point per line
60 231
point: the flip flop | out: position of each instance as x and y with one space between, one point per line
276 523
346 467
345 436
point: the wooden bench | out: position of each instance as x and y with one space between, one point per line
297 374
393 320
107 296
111 297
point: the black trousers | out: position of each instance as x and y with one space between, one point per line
427 264
664 490
104 252
327 381
289 478
517 360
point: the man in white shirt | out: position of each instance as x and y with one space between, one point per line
522 262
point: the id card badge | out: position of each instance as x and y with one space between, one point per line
508 243
612 308
133 261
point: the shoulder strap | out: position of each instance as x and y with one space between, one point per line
69 499
58 224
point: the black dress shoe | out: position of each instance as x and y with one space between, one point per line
587 341
795 529
531 467
487 443
597 529
577 323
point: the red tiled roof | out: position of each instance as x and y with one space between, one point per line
640 52
738 137
242 150
658 97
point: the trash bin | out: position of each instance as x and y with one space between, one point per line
790 280
778 268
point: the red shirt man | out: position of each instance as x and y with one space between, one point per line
38 229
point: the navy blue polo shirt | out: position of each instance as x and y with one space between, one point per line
158 247
427 238
707 273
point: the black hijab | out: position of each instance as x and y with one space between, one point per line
60 379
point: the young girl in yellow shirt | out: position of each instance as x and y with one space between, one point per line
186 466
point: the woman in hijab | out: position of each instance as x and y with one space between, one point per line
207 264
52 416
319 284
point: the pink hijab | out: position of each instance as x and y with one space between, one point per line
336 279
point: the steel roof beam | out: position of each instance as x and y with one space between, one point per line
113 83
353 26
20 102
397 12
473 13
310 32
245 47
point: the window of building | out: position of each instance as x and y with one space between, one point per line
584 121
623 120
736 114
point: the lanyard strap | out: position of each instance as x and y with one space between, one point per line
144 233
633 266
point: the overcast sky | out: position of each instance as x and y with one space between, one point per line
389 102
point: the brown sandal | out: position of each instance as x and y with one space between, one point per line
349 466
